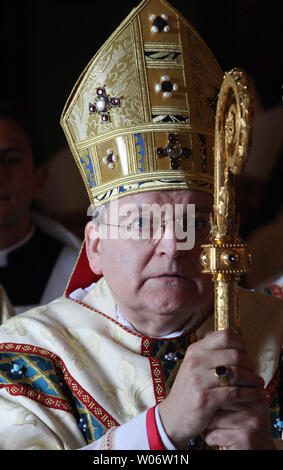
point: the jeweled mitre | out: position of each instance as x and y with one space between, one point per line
141 116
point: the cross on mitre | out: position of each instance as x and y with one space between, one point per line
174 151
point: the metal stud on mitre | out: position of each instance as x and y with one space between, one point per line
174 151
159 23
166 86
110 159
103 104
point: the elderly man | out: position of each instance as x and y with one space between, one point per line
127 358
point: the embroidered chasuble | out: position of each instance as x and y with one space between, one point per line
69 372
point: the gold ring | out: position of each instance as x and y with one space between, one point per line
222 375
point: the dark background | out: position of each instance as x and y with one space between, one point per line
45 45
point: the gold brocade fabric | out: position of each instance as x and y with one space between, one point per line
69 372
142 87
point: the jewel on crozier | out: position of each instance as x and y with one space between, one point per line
230 258
110 159
103 104
159 23
166 86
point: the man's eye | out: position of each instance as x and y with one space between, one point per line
140 223
9 160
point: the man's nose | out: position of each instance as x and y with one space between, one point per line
168 242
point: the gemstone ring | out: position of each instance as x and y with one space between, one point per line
222 375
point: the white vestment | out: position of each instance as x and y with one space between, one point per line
71 374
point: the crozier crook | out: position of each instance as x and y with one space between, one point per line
225 257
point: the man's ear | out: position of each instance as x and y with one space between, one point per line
92 243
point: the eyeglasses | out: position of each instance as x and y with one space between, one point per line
196 228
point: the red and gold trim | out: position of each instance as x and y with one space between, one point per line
158 379
46 400
272 387
50 401
146 346
277 291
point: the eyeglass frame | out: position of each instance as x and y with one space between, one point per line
162 224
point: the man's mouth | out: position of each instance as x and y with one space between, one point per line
175 275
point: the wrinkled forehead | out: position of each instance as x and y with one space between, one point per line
170 197
177 200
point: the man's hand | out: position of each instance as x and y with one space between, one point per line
248 428
234 416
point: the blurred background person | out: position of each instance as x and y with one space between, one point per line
37 254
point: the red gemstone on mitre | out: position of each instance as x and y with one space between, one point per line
115 101
161 152
172 138
175 163
100 91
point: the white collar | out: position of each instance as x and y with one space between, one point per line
4 253
121 319
80 293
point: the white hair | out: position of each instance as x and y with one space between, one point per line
97 213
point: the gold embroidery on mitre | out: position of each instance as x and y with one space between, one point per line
154 77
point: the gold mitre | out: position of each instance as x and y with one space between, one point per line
141 116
